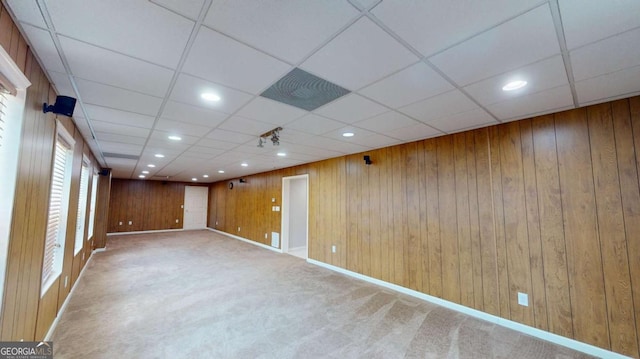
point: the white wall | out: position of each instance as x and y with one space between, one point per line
298 213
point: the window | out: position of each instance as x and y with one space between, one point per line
92 209
58 207
82 205
13 85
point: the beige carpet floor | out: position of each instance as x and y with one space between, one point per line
198 294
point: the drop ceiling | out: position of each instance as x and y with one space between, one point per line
412 69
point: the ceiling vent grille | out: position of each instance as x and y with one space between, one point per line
120 155
303 90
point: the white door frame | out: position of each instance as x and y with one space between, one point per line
284 225
185 209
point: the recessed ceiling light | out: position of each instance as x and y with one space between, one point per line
282 154
244 164
142 176
210 97
514 85
151 165
145 172
174 138
348 134
205 176
194 179
220 171
159 155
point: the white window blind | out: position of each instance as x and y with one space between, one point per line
92 209
82 207
58 207
3 113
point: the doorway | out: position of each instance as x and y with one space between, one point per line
295 215
196 199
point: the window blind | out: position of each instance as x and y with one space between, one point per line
55 210
82 207
3 113
92 210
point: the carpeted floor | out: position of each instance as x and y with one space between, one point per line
198 294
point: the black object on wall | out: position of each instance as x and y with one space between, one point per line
64 106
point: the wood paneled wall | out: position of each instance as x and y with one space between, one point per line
149 205
548 206
26 313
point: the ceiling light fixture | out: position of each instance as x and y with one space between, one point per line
174 138
194 179
142 176
275 137
145 172
514 85
209 96
205 176
159 155
220 171
151 165
348 134
282 154
244 164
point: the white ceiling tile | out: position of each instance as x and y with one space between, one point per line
189 89
137 28
119 173
523 40
161 139
290 135
462 121
367 4
443 105
197 155
192 114
246 126
120 148
342 146
271 25
270 111
362 54
585 21
314 124
230 136
386 122
311 151
112 137
109 96
150 151
188 8
216 144
27 11
109 127
609 55
63 85
430 27
351 108
110 68
44 48
182 128
543 75
623 83
362 137
415 132
106 114
207 150
221 59
533 104
412 84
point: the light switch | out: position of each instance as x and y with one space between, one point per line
523 299
273 199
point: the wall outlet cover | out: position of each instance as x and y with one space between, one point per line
523 299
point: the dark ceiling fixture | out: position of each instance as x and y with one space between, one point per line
274 134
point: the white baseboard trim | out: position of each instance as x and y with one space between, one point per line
98 250
246 240
152 231
66 301
541 334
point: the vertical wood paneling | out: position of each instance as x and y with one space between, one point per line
586 279
433 219
399 229
474 221
373 224
424 227
613 244
386 236
463 221
539 298
414 247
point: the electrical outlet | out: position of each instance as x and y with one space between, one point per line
177 220
523 299
238 229
273 199
333 249
265 236
216 223
66 281
130 222
82 256
119 223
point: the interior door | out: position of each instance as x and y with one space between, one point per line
195 207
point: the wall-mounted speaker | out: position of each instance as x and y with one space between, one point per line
367 160
64 106
104 172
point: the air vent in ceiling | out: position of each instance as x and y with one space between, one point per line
303 90
120 155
